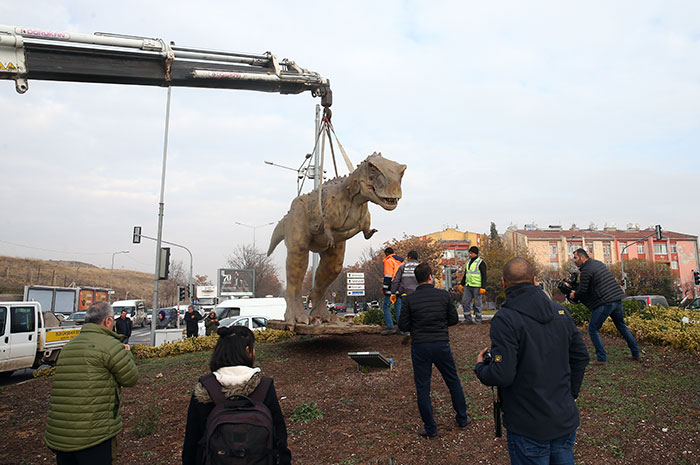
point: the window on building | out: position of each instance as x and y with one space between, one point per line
606 249
572 248
640 249
674 265
660 249
589 249
448 254
622 246
674 248
553 251
462 255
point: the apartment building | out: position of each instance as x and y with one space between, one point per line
554 246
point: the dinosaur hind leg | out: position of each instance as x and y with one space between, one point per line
329 268
297 262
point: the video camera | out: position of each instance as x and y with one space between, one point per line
488 358
565 286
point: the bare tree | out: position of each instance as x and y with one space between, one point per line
267 279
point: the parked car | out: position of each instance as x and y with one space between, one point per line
645 300
694 304
255 323
77 318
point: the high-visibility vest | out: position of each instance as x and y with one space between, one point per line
473 273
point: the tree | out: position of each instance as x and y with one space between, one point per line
647 278
496 253
267 279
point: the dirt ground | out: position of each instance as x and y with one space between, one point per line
631 413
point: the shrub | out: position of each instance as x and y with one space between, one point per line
663 326
581 314
147 422
306 412
46 371
373 316
199 344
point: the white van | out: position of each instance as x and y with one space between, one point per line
135 309
272 308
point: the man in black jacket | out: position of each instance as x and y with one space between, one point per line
192 321
427 314
123 325
538 362
601 293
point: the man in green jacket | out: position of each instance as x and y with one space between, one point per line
84 417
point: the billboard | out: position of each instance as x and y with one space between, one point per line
236 282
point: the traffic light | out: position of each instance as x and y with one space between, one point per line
696 277
137 235
181 291
164 262
190 290
658 232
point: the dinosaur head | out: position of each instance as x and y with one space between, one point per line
380 181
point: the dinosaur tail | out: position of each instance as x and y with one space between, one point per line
277 236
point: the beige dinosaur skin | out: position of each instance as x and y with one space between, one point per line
345 213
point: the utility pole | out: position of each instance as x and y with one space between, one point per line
317 183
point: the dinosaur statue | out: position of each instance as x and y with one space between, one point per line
323 227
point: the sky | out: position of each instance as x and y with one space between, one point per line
509 112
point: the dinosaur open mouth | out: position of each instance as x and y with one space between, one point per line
390 200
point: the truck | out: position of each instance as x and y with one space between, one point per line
207 298
30 337
65 300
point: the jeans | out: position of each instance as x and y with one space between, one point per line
616 313
526 451
386 307
469 294
424 356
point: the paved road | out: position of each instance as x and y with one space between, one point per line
17 377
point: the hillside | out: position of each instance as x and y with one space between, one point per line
15 273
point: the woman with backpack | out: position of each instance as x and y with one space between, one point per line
234 411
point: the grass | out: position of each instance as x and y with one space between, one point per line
306 412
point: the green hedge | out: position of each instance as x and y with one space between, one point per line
581 314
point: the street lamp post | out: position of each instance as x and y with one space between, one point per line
254 228
111 271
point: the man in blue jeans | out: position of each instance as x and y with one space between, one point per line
538 360
601 293
426 314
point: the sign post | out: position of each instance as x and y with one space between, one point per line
355 286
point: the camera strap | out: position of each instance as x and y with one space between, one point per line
497 410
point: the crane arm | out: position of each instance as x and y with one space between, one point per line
30 53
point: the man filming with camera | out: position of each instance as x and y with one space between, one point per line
603 296
537 360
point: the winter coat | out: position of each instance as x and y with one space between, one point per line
597 286
404 281
240 380
85 396
123 327
191 320
211 325
426 313
538 362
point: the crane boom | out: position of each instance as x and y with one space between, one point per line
30 53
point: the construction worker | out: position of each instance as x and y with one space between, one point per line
391 265
473 283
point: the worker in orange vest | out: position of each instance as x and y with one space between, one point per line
392 262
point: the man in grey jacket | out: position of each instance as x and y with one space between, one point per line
602 294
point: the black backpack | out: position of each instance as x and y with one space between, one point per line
239 429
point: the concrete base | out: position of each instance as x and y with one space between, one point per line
168 335
324 328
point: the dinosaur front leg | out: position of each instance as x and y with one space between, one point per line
365 225
329 268
297 262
